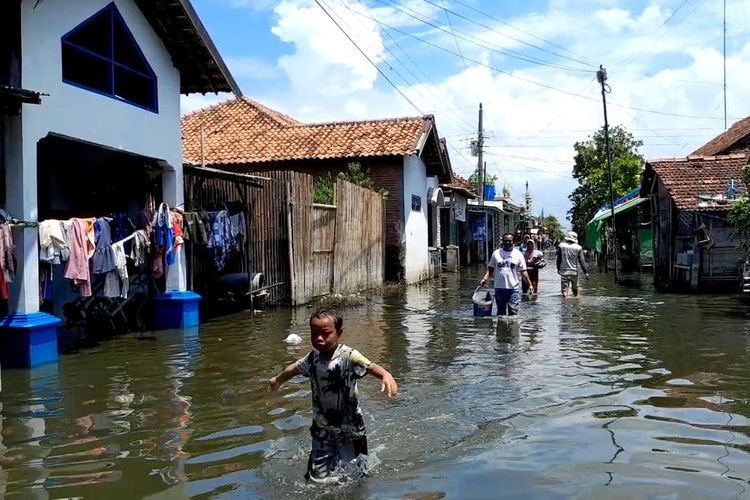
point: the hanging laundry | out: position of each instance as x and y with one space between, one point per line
45 282
53 242
164 235
237 223
104 258
117 282
123 225
77 266
220 238
89 227
140 248
6 253
196 229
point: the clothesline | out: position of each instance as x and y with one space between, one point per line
128 238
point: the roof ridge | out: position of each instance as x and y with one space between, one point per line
208 108
281 118
361 122
691 157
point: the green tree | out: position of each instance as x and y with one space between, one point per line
739 217
473 180
326 184
592 174
552 226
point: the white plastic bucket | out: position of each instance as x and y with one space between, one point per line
482 301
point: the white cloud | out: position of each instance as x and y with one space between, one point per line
324 62
252 68
675 68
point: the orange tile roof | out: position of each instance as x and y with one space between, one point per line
735 140
243 131
692 181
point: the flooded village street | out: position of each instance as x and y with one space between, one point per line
622 393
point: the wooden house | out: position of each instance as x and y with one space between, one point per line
403 156
693 245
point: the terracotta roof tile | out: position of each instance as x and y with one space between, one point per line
244 131
692 181
734 140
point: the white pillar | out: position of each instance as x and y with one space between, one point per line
21 196
172 190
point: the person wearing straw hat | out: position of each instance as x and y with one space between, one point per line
569 257
507 263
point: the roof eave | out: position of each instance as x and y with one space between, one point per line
210 46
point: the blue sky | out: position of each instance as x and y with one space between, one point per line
531 63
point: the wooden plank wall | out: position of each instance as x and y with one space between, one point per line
300 199
323 236
313 249
267 246
359 256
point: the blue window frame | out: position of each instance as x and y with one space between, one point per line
101 55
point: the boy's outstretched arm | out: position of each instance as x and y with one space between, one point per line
277 381
388 382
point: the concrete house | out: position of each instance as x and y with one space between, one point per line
404 156
90 125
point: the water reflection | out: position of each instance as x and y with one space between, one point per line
621 392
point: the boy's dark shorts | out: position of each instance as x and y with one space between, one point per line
329 451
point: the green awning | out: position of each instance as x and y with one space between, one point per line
619 209
595 227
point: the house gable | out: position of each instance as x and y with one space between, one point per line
735 140
101 55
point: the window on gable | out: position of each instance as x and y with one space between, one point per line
101 55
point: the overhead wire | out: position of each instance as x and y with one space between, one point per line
533 82
633 56
408 70
318 2
583 59
481 43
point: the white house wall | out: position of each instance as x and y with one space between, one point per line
81 114
415 227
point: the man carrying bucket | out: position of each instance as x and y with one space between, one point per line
507 262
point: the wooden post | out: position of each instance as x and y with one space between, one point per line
290 230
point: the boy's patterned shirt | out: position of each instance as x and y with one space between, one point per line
335 403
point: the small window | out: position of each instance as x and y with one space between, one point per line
102 56
416 203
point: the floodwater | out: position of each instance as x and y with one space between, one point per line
621 393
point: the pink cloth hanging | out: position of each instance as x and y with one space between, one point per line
77 266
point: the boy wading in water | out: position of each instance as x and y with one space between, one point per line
338 427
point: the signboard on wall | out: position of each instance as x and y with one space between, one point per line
459 207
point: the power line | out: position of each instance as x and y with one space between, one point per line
368 58
584 59
533 82
416 78
505 52
633 56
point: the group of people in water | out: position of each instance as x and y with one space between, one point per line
516 271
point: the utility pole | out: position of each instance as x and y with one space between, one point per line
601 77
725 64
480 162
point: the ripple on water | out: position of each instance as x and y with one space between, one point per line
553 405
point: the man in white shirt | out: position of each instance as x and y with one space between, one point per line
507 262
569 257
